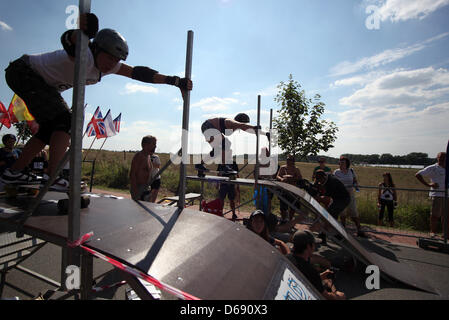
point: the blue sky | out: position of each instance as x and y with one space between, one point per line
387 89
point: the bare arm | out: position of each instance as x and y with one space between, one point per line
283 248
424 182
234 125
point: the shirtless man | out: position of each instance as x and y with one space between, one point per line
141 167
290 174
219 128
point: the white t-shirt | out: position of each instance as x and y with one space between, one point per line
155 171
436 174
346 178
58 69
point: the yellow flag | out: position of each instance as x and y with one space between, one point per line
18 110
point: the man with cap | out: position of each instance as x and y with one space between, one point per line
215 131
303 248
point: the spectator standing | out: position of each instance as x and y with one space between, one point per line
228 189
348 177
290 174
387 197
321 166
436 174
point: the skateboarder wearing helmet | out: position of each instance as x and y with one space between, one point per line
40 79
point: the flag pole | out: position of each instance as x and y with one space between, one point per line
96 155
85 156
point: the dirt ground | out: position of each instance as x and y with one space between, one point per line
391 235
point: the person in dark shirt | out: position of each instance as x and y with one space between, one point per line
303 248
334 189
228 189
8 154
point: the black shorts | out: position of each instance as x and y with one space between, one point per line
156 184
44 102
227 189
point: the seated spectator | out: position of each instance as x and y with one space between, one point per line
303 248
258 225
8 154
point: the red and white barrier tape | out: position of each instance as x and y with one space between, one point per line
137 273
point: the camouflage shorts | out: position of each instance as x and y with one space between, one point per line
44 102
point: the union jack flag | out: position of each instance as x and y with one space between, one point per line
117 123
93 126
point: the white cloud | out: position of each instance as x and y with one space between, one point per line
398 131
383 58
4 26
214 104
402 10
402 87
131 88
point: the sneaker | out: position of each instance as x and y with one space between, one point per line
11 177
44 179
60 184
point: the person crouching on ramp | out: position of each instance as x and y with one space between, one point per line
215 131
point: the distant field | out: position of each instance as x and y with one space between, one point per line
112 171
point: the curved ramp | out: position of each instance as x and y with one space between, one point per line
196 252
389 269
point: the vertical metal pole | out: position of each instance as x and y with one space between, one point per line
446 185
76 137
185 124
271 127
256 169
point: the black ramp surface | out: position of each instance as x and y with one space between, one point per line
123 228
399 271
214 258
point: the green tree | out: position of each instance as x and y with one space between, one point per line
300 130
23 131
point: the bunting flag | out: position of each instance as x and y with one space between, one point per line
109 125
5 118
117 123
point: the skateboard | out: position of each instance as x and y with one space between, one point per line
32 190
